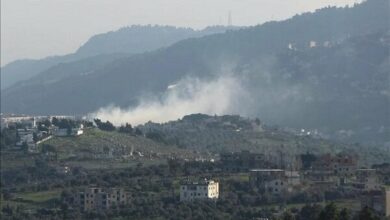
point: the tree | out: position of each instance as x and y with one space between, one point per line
288 216
330 212
138 132
47 148
309 212
55 121
24 147
35 137
105 126
368 214
7 210
126 129
344 214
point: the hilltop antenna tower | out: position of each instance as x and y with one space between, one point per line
230 22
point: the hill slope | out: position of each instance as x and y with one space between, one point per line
338 86
129 40
232 133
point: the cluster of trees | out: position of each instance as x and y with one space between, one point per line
108 126
8 137
105 126
329 212
65 123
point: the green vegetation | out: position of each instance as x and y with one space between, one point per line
94 142
39 197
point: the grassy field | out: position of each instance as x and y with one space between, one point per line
15 159
33 200
39 197
113 164
95 140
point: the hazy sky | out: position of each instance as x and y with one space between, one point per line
39 28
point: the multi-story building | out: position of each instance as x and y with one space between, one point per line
378 200
341 164
344 164
26 136
367 180
242 161
269 181
206 189
100 199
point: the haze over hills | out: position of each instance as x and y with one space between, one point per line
128 40
325 70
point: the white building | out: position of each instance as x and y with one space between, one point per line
63 132
206 189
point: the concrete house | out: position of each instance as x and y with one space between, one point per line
204 190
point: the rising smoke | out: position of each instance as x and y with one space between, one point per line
222 95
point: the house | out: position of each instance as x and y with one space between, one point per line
341 164
367 180
269 181
242 161
203 190
383 170
378 200
24 121
26 136
94 198
293 178
63 132
344 164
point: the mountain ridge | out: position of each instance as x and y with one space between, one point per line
131 40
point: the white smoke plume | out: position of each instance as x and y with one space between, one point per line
223 95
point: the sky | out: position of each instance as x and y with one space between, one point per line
40 28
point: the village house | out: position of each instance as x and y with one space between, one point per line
367 180
332 170
63 132
203 190
293 178
100 199
26 136
378 200
340 164
242 161
269 181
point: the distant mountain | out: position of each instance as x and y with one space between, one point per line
139 39
328 70
129 40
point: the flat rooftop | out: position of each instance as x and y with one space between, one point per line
266 170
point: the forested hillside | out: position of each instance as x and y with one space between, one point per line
327 70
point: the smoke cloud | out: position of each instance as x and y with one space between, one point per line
221 95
